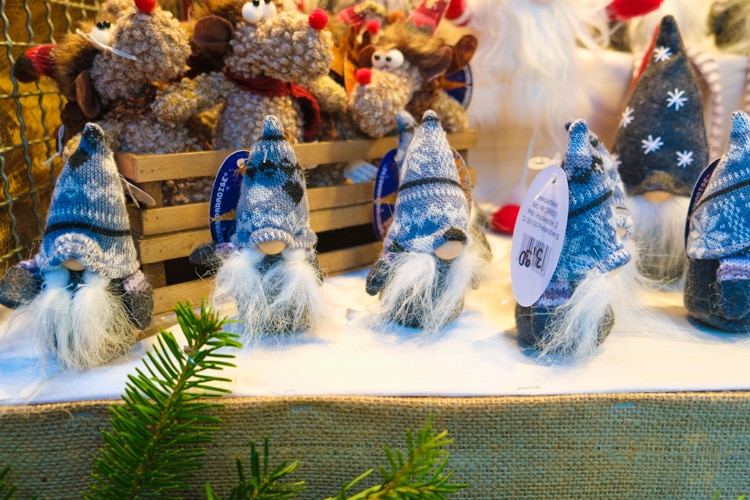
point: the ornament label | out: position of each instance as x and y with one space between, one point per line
539 235
225 195
384 194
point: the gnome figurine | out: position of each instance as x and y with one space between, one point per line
575 312
433 250
661 148
270 269
717 289
83 294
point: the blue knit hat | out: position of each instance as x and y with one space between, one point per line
431 207
661 143
87 219
406 126
591 240
623 219
719 223
273 197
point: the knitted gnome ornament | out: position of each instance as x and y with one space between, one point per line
83 293
270 269
717 289
661 148
432 254
574 314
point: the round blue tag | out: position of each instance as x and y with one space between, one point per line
225 195
384 194
464 85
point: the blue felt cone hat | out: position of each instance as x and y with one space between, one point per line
661 143
431 207
273 197
719 224
87 219
591 240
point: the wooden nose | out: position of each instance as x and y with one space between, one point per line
449 250
272 247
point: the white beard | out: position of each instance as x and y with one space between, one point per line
86 327
285 298
418 294
659 233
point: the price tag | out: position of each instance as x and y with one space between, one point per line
225 195
539 235
385 192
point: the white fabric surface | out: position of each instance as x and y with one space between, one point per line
479 355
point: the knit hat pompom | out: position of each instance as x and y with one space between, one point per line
273 197
87 219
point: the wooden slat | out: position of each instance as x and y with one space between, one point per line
339 196
170 246
340 217
149 168
153 221
166 298
350 259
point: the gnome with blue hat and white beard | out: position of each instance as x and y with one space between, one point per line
575 312
717 288
270 269
433 251
83 294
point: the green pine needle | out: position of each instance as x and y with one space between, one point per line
421 475
263 484
155 444
5 490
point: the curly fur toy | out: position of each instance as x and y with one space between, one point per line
269 57
400 70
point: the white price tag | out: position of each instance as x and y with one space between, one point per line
542 162
539 235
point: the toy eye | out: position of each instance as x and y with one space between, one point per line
269 9
252 12
394 59
378 60
102 33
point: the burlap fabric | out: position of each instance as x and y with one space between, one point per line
667 445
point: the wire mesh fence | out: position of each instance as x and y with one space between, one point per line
29 117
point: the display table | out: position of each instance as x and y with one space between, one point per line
632 421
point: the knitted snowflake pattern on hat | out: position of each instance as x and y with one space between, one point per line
431 207
718 226
591 240
273 199
661 142
87 219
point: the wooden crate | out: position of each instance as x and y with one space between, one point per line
165 236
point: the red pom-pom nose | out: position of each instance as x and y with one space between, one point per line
145 5
363 76
504 220
373 26
318 19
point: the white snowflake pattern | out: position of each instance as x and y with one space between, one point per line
684 158
616 161
662 53
627 117
676 98
650 144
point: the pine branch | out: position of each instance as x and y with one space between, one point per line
420 476
262 485
6 494
155 444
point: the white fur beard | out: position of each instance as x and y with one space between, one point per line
527 64
573 329
286 298
409 298
659 233
84 328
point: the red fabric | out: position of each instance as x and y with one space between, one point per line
627 9
271 87
41 59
